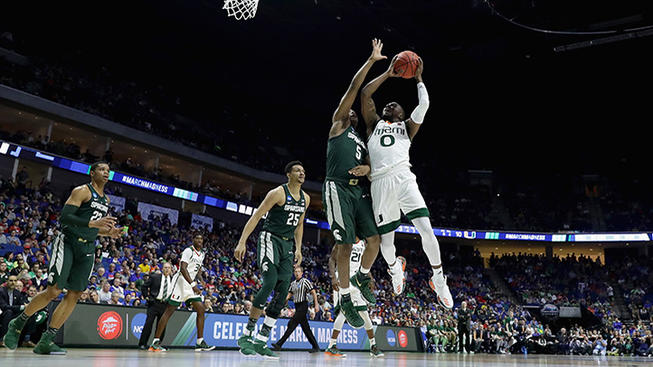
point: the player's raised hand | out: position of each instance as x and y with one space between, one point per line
420 70
391 72
239 252
377 46
361 170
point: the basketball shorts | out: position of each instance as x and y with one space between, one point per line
393 194
349 211
71 263
182 291
360 304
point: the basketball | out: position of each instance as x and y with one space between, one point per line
406 64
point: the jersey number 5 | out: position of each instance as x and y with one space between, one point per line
293 219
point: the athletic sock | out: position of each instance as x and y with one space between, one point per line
199 341
251 325
21 320
372 342
364 271
332 342
345 292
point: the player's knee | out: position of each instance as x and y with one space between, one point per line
373 241
53 292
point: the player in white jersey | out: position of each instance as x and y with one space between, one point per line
357 299
185 290
394 186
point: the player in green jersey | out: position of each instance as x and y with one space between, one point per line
283 228
83 218
347 204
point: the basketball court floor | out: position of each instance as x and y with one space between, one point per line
187 358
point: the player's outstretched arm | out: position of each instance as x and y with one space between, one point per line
368 108
417 116
299 234
275 196
342 112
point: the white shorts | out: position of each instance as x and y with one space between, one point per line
182 291
393 194
356 298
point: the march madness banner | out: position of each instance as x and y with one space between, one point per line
110 326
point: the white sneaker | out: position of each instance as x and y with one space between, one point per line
398 275
439 285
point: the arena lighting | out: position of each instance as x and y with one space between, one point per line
121 178
604 40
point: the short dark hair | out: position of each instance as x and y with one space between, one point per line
291 164
95 165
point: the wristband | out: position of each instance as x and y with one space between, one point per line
193 284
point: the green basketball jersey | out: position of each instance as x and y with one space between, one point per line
282 220
93 209
344 152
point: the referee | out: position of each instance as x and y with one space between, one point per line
299 290
157 290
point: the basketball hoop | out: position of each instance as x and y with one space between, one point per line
241 9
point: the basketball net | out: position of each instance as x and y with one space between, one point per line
241 9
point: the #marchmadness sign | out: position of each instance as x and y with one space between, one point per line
115 326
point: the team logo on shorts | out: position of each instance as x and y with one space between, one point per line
264 267
337 235
109 325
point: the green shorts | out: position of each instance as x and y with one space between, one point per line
274 250
71 263
275 257
349 211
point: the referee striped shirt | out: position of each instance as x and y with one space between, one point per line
300 289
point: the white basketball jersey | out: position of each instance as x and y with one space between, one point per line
195 259
389 147
355 258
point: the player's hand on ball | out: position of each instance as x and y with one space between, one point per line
377 46
359 171
239 252
391 70
298 258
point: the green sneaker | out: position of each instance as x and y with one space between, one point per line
13 334
262 349
362 282
334 352
246 346
203 347
375 352
46 345
353 317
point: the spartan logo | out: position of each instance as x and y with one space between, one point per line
337 235
264 267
